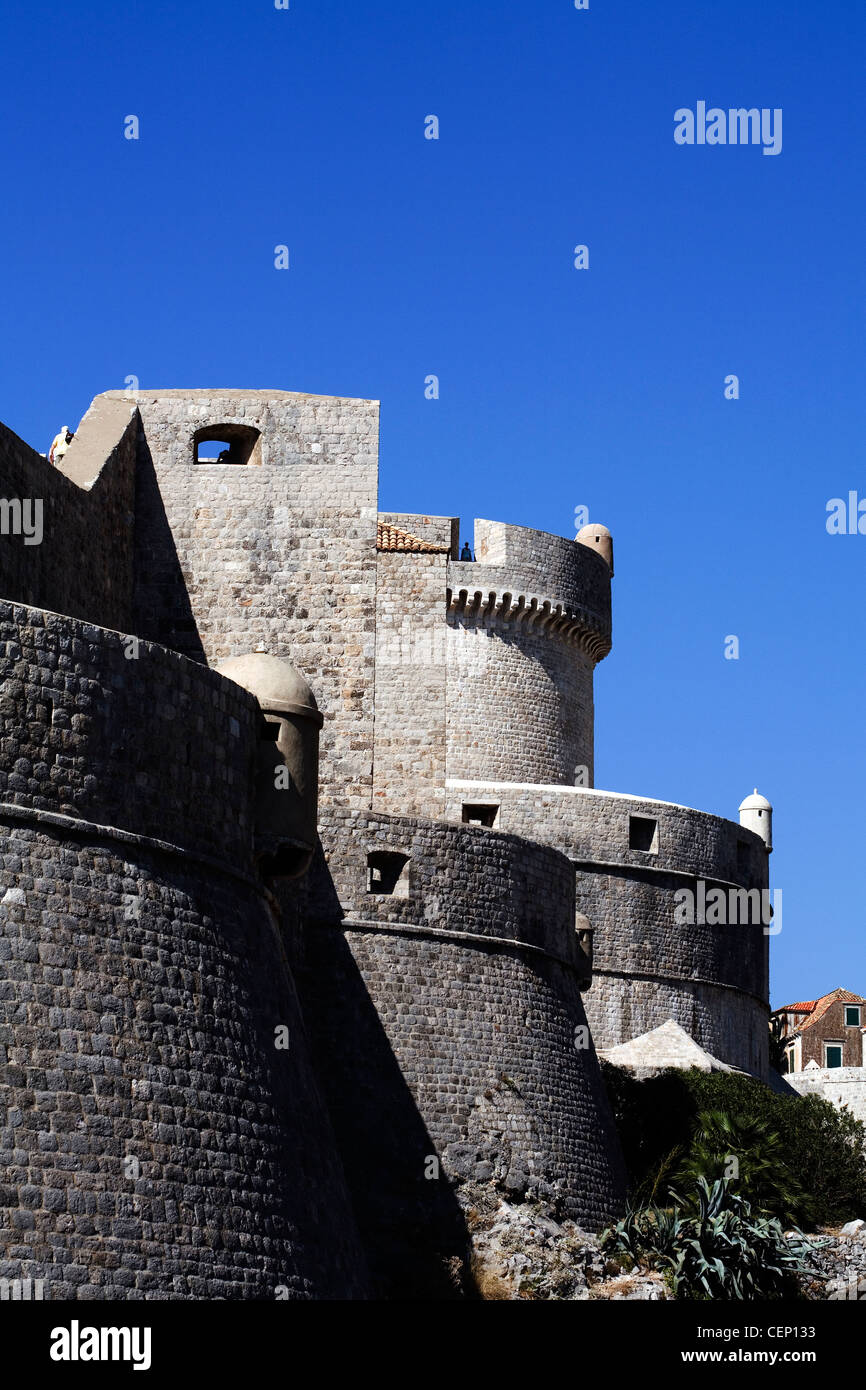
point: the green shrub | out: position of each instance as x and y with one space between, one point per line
722 1142
819 1153
720 1249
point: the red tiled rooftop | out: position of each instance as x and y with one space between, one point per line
394 538
816 1008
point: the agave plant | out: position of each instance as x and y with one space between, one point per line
716 1247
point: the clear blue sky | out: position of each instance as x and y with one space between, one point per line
558 387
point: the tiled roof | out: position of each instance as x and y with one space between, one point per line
393 538
667 1046
816 1008
845 997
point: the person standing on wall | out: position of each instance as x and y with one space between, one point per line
59 445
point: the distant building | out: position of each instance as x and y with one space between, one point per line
825 1033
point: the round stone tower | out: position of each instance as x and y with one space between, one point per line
442 987
164 1135
598 538
527 623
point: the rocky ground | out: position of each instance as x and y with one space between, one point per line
522 1250
841 1264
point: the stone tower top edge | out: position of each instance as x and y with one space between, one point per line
229 393
488 532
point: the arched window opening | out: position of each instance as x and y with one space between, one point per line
227 444
388 873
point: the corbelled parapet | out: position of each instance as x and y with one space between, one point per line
521 576
528 620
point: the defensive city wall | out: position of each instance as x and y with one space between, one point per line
153 1141
451 951
844 1087
487 718
252 1050
631 856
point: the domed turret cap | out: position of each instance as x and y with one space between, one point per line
594 531
276 684
597 538
755 802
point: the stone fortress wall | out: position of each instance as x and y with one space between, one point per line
525 624
410 735
468 977
279 553
503 687
152 1140
713 980
434 963
82 564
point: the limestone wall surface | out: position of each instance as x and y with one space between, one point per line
448 1024
279 552
154 1140
712 979
528 620
156 1143
844 1087
520 702
411 679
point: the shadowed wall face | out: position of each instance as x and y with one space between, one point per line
449 1031
156 1143
123 733
164 1134
81 563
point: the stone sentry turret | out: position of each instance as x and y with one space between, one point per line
287 778
756 814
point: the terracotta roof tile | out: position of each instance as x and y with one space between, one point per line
816 1008
393 538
